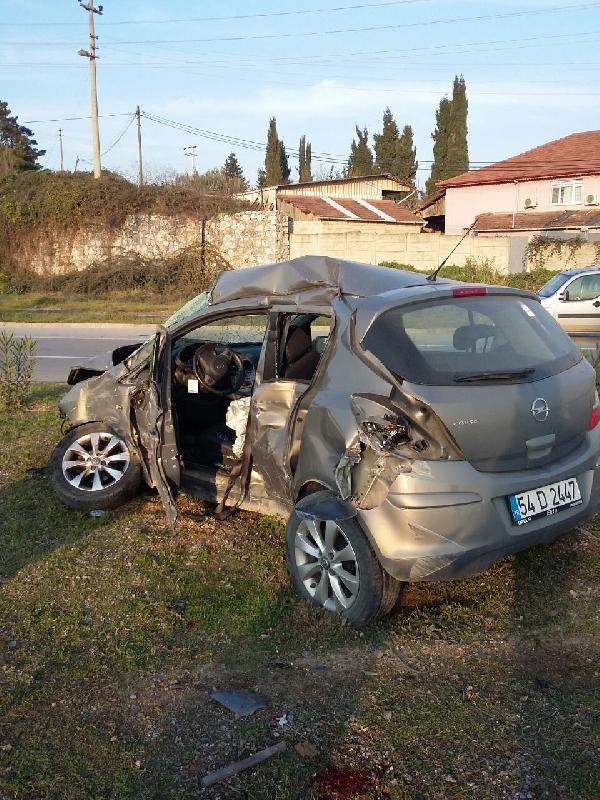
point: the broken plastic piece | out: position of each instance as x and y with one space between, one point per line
242 703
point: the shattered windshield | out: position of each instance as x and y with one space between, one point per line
187 310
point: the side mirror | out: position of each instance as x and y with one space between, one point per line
564 295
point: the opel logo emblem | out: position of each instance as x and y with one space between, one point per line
540 409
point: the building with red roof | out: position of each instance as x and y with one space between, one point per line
555 186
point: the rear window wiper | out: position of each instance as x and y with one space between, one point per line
494 376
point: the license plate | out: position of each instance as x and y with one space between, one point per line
545 501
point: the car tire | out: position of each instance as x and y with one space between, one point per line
332 565
92 468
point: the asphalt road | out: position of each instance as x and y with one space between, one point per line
61 345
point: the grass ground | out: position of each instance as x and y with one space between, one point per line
58 307
114 632
128 306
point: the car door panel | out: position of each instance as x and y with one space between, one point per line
579 310
152 425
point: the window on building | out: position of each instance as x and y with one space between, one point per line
566 193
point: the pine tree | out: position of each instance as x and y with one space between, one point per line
406 164
361 157
273 173
18 148
440 145
304 165
386 145
234 175
458 148
261 179
284 164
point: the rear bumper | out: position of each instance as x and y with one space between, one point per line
446 520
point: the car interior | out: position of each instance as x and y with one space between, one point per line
215 365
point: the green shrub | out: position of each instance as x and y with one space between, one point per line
17 359
483 270
593 356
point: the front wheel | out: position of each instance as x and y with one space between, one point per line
332 565
92 468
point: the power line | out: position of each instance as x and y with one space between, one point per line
74 119
120 136
372 28
258 15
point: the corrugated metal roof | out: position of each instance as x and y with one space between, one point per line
569 157
538 220
343 208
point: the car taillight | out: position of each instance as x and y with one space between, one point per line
469 291
386 432
595 415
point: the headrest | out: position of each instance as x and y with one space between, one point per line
298 344
467 336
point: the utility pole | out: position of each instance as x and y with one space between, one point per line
191 151
91 55
62 155
138 115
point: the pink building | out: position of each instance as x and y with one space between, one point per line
554 186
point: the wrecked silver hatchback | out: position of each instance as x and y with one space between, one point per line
407 429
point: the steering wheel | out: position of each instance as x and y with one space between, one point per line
211 363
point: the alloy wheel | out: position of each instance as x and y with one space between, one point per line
95 461
326 564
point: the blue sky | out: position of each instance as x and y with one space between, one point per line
531 68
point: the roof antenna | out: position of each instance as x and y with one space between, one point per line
437 270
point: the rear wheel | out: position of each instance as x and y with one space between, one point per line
332 565
92 468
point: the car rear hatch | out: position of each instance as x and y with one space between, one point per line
500 373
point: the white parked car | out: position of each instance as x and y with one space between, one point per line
572 297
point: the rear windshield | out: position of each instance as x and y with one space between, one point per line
443 342
553 285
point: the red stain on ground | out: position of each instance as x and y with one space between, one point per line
338 782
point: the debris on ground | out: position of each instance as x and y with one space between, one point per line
306 749
241 702
237 766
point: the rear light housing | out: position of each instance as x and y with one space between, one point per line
595 415
406 429
469 291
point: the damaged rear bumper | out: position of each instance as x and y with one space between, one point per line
428 528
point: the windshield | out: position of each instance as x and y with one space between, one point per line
553 285
187 310
471 339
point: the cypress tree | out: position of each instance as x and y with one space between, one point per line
284 164
406 163
301 158
361 157
273 160
18 148
458 149
440 145
386 145
261 179
304 166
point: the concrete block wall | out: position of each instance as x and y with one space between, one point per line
374 243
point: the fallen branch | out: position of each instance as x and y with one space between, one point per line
238 766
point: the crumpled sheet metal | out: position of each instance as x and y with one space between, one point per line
324 275
270 408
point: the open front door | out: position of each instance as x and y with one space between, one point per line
154 422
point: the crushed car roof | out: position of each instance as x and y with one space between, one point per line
321 276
